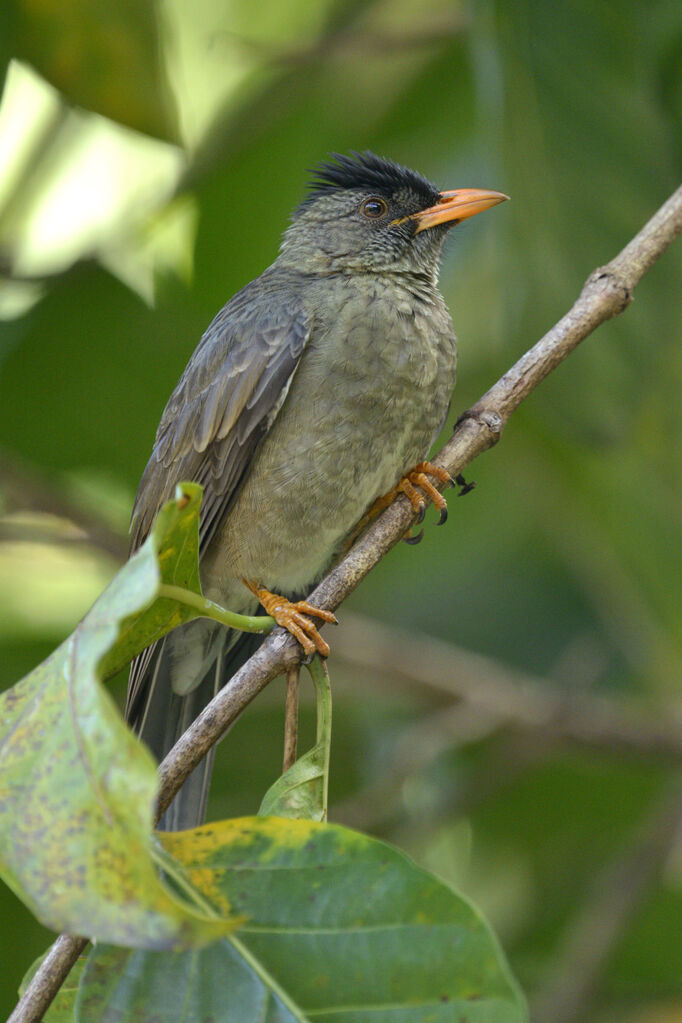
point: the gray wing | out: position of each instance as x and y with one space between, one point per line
226 400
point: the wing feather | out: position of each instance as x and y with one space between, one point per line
227 398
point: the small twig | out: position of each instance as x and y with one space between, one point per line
607 293
418 746
381 806
595 930
291 718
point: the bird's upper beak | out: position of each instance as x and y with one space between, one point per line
457 205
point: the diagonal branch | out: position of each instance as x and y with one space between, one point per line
607 292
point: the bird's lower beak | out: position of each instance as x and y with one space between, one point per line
457 205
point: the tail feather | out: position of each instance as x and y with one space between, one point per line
159 715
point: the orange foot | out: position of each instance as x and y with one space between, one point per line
294 618
417 477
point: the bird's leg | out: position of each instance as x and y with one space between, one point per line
293 616
417 477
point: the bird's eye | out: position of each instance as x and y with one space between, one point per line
373 209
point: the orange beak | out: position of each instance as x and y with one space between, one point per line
457 205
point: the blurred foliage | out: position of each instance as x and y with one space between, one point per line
102 56
565 562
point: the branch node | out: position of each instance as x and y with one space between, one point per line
489 419
607 279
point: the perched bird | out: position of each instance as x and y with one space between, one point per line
316 390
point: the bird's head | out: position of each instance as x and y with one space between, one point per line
366 214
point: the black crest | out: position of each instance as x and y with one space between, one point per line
368 173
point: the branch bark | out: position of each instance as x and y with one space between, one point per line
54 969
607 293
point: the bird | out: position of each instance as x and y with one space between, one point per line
311 400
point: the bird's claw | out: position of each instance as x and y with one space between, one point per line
294 617
419 477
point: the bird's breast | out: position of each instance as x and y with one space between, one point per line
365 404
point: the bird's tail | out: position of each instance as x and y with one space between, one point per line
159 714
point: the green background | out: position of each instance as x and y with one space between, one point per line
563 565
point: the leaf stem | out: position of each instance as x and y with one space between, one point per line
208 609
323 691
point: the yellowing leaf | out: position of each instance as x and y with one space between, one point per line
77 789
337 926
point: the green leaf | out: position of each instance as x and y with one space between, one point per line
105 57
77 789
171 557
339 926
298 793
301 791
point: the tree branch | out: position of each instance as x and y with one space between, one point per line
607 293
354 42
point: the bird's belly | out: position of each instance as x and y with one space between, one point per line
343 437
